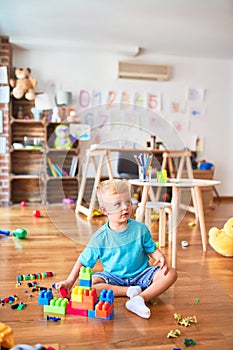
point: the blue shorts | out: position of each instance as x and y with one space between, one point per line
143 279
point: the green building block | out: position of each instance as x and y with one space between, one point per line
56 306
85 273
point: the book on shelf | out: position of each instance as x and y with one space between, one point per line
62 170
58 170
55 169
51 167
74 165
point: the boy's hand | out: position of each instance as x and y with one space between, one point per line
64 287
160 259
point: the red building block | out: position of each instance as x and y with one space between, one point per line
74 311
90 298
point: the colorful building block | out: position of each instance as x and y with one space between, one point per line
91 313
77 294
44 297
83 301
33 276
89 298
85 273
56 306
63 292
85 283
75 311
103 309
107 295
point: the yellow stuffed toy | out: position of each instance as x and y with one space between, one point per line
222 240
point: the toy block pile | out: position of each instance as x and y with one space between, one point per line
83 302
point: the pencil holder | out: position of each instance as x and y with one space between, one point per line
144 173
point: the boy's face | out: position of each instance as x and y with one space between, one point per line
117 207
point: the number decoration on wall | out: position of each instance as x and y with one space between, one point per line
154 102
84 99
89 99
140 100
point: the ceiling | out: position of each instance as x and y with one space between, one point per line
198 28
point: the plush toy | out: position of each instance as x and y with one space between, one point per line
73 117
222 240
63 139
23 85
55 116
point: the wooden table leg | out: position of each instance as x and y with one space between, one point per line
140 211
174 222
201 215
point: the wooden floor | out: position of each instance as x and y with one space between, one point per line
53 244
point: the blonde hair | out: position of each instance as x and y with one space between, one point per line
114 186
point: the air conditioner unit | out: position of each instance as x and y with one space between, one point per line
146 71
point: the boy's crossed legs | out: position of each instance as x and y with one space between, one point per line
147 286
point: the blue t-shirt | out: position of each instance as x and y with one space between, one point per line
123 254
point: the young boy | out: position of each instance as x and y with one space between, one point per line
123 246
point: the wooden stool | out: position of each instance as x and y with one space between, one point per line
162 208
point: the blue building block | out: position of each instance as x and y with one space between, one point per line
107 295
85 283
44 297
91 313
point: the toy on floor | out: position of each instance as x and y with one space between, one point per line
34 276
192 223
53 318
29 347
174 334
20 233
83 300
185 321
189 341
184 244
5 232
36 213
6 336
221 240
67 201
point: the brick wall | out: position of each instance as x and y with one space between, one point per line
5 60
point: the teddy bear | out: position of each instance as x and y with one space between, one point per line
221 240
23 85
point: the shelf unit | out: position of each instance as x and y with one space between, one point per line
31 179
66 186
26 164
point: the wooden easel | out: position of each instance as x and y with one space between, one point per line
184 158
168 163
102 156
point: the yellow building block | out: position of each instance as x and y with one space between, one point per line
77 294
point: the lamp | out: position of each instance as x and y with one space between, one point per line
43 103
63 99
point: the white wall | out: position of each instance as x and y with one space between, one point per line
98 70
